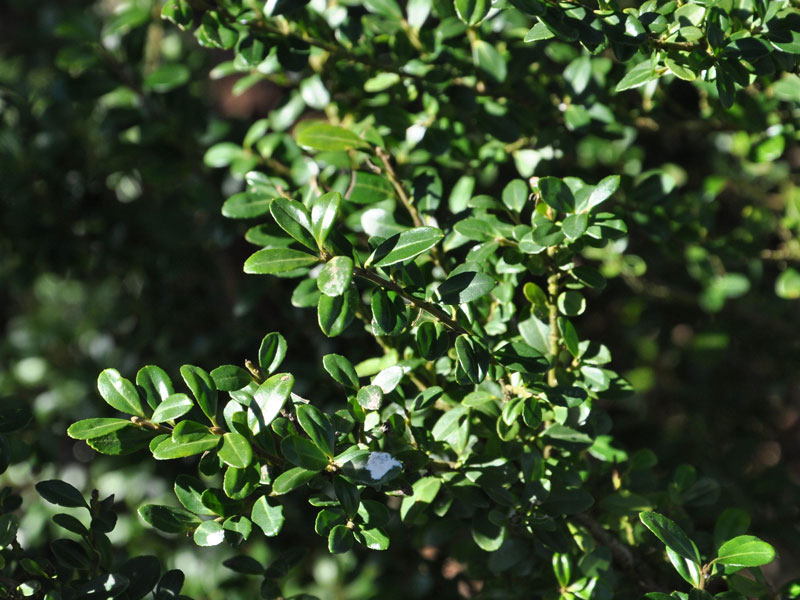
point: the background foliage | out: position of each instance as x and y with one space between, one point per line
115 252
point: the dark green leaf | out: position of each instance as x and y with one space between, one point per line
303 453
405 246
323 215
203 389
271 352
229 378
318 427
61 493
167 518
156 384
341 369
293 218
465 286
268 400
556 194
671 535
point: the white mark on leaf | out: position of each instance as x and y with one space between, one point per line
380 463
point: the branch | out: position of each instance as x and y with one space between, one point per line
428 307
623 556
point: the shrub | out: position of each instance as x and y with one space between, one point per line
454 185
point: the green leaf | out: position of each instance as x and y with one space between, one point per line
189 491
209 533
637 76
405 246
167 77
235 451
9 524
271 352
730 523
119 393
571 303
787 286
601 192
370 397
61 493
574 226
188 438
487 59
671 535
472 358
341 369
173 407
488 535
335 276
335 313
324 136
123 441
246 205
238 484
425 491
268 400
91 428
515 195
167 518
291 480
465 286
269 518
556 194
318 427
472 12
277 260
476 229
323 215
203 389
340 539
156 384
229 378
293 218
374 539
745 551
303 453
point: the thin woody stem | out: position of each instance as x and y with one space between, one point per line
428 307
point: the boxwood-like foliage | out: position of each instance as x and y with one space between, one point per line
408 183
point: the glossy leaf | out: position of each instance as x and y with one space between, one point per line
335 276
119 393
745 551
277 260
235 451
269 518
405 246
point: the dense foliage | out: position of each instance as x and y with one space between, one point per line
454 208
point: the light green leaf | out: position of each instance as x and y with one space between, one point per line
269 518
119 393
91 428
335 276
472 12
209 533
323 215
236 451
268 400
745 551
173 407
637 76
293 218
277 260
324 136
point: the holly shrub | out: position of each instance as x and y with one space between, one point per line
447 190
